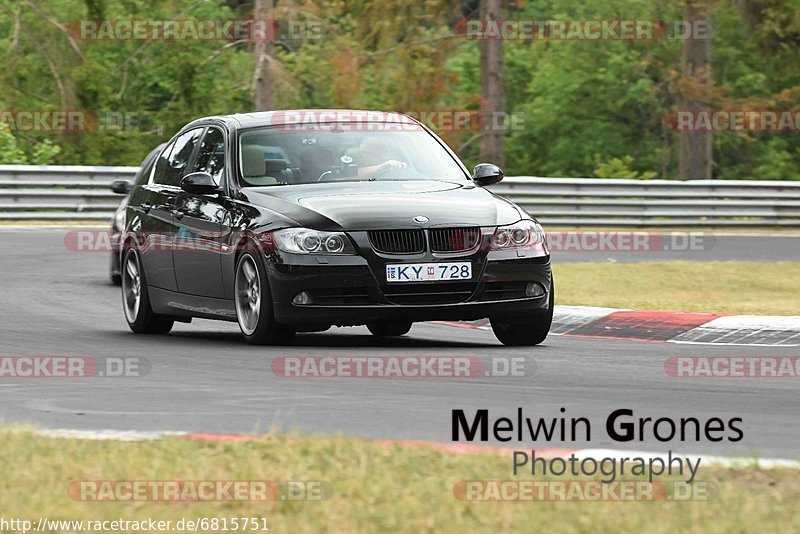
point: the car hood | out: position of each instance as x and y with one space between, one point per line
387 204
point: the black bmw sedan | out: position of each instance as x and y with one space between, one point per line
296 221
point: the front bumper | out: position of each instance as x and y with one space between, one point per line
349 315
351 290
114 256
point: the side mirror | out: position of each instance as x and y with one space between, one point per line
200 183
121 187
486 174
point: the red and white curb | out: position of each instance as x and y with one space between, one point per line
672 327
453 448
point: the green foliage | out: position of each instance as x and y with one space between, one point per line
582 98
620 168
44 153
577 99
779 161
11 153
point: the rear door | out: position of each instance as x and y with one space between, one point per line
200 220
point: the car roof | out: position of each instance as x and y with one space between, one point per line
303 116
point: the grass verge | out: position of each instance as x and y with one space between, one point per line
725 287
375 488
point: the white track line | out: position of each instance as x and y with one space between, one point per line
597 454
722 461
107 435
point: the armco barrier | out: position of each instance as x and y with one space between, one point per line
59 193
651 203
63 193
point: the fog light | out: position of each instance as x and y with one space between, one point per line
534 290
301 299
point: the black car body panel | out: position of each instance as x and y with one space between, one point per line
362 206
118 219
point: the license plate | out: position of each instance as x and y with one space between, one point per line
429 272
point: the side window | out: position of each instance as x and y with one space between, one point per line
211 157
147 166
161 165
179 158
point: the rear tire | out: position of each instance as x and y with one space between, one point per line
528 331
136 299
253 302
394 329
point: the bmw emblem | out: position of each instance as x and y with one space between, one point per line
421 219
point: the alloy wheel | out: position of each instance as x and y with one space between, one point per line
132 286
248 295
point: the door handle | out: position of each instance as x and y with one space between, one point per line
177 214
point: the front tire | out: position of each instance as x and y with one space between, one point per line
394 329
136 299
528 331
114 271
253 302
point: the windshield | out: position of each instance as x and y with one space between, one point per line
283 156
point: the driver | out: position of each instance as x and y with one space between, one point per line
373 158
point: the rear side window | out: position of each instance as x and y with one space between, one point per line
211 156
172 163
161 164
147 166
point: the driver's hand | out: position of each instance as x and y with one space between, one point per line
393 164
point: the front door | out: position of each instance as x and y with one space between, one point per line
201 221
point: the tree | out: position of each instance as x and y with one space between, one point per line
493 99
695 159
263 84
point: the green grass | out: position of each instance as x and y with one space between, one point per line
376 488
724 287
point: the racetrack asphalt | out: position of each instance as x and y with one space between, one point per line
205 378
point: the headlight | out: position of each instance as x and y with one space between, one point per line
525 234
306 241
